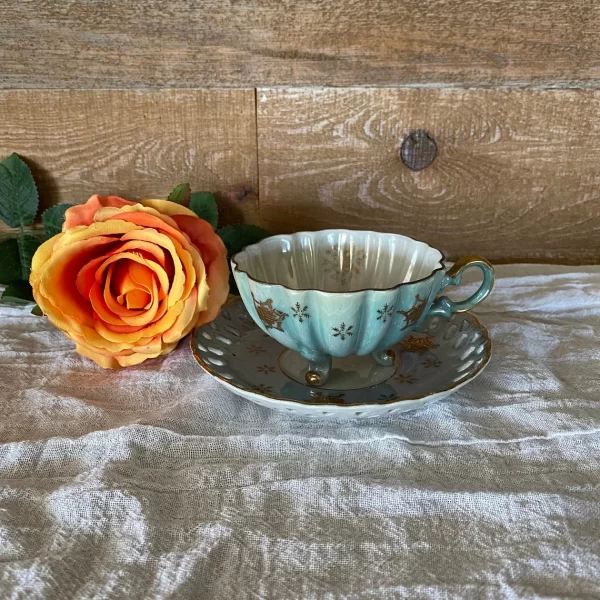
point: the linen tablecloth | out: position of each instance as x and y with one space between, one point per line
154 482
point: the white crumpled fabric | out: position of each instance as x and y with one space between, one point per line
154 482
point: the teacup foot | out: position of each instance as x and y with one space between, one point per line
385 358
318 371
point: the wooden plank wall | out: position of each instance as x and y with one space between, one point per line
517 172
294 111
138 144
191 43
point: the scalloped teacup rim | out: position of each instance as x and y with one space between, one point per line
234 261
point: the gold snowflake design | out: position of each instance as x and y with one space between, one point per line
321 397
385 313
407 378
432 362
270 316
263 389
349 266
266 369
419 345
255 349
412 316
300 312
343 331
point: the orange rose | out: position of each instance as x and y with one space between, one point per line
126 281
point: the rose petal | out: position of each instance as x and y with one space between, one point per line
138 300
59 276
104 337
202 236
80 233
142 276
166 207
109 213
155 252
83 214
149 315
154 346
137 358
108 296
163 280
101 308
102 360
182 265
188 316
87 274
214 255
121 328
41 257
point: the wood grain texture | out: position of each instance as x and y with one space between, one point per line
184 44
136 144
516 176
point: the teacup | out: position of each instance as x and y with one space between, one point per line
337 293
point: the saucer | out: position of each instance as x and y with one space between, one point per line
430 364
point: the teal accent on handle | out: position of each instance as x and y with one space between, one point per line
445 307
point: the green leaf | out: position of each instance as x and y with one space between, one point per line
53 219
15 257
236 237
10 263
18 194
19 291
27 245
37 311
205 206
181 194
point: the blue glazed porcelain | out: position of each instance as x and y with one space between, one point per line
337 293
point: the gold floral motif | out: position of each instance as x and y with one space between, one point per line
321 397
266 369
271 317
413 315
408 378
351 265
432 362
263 389
255 349
419 345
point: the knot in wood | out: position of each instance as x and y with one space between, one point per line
418 150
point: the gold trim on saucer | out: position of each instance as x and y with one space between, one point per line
234 300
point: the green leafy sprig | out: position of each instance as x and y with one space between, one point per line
19 203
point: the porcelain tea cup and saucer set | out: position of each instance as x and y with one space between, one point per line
345 324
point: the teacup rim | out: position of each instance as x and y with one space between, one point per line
441 262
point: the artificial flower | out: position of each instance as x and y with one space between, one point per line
127 280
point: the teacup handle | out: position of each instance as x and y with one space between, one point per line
445 307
